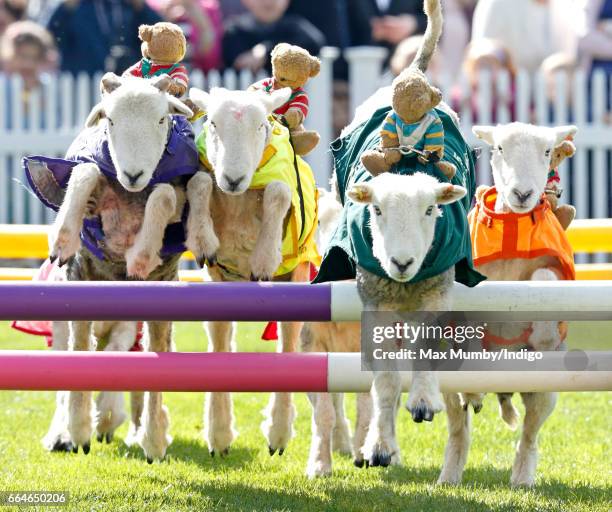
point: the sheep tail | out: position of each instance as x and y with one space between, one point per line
433 10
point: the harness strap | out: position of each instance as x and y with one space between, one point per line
299 180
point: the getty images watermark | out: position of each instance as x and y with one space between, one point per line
473 341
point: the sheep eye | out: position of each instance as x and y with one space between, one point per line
500 149
161 121
110 121
213 125
377 210
548 152
429 211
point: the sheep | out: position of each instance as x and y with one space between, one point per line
252 223
520 161
128 184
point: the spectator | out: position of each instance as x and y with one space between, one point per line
405 54
11 11
486 56
531 29
202 25
455 37
26 49
98 35
392 21
595 45
231 8
249 38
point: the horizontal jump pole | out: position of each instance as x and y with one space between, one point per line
22 241
252 372
564 300
584 272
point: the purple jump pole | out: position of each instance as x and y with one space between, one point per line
149 371
165 301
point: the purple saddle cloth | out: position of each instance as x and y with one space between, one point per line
48 177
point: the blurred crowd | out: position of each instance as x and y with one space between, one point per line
101 35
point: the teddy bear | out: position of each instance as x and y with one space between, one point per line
163 48
412 123
565 213
292 67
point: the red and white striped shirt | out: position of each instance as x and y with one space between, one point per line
147 69
298 99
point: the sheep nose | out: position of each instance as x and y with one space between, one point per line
522 196
133 178
233 185
402 266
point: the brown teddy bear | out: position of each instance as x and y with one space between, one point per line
292 67
163 48
413 123
565 213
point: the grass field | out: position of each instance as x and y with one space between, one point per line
575 471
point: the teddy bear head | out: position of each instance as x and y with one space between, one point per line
293 66
162 43
413 96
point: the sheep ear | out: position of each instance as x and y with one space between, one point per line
162 82
447 194
564 132
109 83
275 99
200 98
484 133
178 108
97 113
361 193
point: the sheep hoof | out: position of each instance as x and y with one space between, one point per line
201 260
52 258
62 446
465 406
271 450
280 452
212 453
477 408
86 448
62 263
149 460
380 459
75 448
100 438
225 452
359 463
422 412
212 260
109 437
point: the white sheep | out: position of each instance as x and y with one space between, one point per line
252 224
137 155
520 160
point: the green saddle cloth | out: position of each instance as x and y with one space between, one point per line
351 244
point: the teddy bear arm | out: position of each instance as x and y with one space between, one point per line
177 89
294 117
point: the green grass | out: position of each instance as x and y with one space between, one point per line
575 472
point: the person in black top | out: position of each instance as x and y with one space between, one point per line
250 37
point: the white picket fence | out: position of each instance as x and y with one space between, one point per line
46 121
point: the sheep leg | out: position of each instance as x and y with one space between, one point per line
267 255
64 240
143 257
109 404
80 410
280 413
136 408
201 238
458 444
381 448
323 421
153 436
424 399
341 436
362 423
57 438
218 416
538 407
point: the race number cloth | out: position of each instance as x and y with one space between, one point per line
279 163
48 177
351 244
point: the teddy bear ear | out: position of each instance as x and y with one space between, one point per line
145 33
279 48
436 96
315 67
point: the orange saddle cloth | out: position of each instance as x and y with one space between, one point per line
501 236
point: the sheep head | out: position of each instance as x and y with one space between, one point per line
137 116
403 211
237 132
521 159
